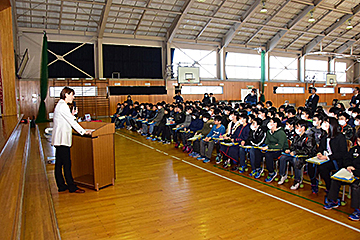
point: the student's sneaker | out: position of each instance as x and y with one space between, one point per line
236 168
282 180
227 163
252 173
143 134
184 148
154 139
206 160
218 159
331 204
148 138
295 186
314 189
139 131
191 154
258 173
166 142
355 216
242 169
177 145
271 177
196 155
201 158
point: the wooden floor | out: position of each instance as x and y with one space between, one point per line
159 196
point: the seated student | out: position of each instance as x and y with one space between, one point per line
270 114
141 117
354 112
256 138
299 112
352 164
195 125
186 123
207 144
357 123
150 113
303 144
117 112
208 125
345 128
275 139
332 147
305 115
230 153
290 129
154 127
280 115
290 114
316 130
333 112
240 138
159 129
268 104
259 105
263 116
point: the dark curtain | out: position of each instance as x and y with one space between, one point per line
132 62
82 58
172 61
43 81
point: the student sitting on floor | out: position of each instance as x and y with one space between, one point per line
230 152
303 144
195 125
208 143
345 128
332 147
276 142
208 125
352 164
257 136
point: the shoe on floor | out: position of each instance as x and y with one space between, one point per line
218 159
271 177
355 216
201 158
258 173
206 160
235 168
295 186
331 204
79 190
282 180
252 173
242 169
196 155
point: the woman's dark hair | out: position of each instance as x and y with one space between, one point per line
66 90
334 128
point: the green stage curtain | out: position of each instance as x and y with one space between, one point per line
43 82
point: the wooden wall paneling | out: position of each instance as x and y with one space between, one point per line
7 61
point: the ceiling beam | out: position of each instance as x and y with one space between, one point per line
344 46
178 19
231 33
141 18
267 20
104 17
209 20
272 43
308 47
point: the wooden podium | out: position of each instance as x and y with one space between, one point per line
93 156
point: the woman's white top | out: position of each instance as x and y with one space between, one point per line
63 121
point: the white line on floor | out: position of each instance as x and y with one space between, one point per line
252 188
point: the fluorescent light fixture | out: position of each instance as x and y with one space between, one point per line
311 19
349 26
263 9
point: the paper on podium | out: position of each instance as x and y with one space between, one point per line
344 175
316 161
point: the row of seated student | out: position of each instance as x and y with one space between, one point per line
285 135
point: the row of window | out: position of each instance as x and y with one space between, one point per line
248 66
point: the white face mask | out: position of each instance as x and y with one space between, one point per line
331 115
253 128
261 117
159 107
315 124
287 127
205 120
342 122
303 117
354 115
142 107
258 107
193 117
269 125
241 122
187 113
357 123
298 132
231 117
324 126
209 112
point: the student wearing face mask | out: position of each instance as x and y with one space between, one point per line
257 136
195 125
332 147
240 136
276 142
207 126
357 123
333 112
230 153
263 116
316 130
303 144
290 129
345 129
305 115
352 164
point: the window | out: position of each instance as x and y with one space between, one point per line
340 71
243 66
283 68
316 69
204 59
79 91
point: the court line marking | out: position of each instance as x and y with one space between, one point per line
252 188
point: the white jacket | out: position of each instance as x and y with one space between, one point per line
63 121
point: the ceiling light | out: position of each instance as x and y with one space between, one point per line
263 9
201 0
349 26
311 19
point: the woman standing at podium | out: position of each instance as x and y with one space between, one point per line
64 120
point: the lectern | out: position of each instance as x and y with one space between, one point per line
93 156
